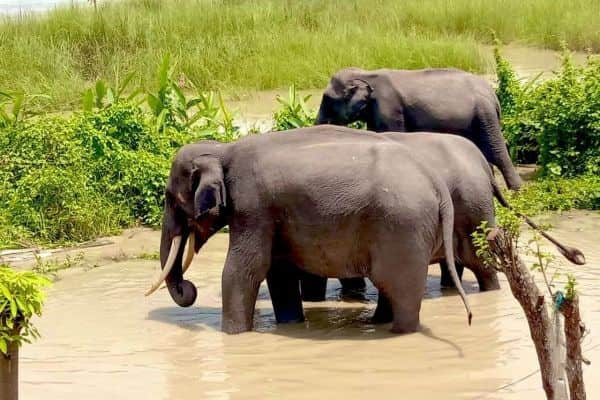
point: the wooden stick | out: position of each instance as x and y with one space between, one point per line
573 331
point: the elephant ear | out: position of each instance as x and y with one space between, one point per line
357 94
210 195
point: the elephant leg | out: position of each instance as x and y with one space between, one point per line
353 288
403 283
446 280
383 313
487 278
248 261
491 143
284 288
313 287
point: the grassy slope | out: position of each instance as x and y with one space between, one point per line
262 44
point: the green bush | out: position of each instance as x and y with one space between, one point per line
557 194
72 178
554 122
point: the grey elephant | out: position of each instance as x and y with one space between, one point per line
469 179
433 100
328 200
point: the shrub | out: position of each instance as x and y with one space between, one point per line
71 179
518 127
557 194
74 178
47 189
555 122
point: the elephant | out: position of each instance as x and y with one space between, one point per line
290 204
433 100
471 183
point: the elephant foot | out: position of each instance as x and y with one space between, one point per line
405 328
233 328
446 281
289 316
353 288
383 313
282 281
488 282
312 287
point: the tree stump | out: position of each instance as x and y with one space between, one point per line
574 330
9 373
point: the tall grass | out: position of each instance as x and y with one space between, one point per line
262 44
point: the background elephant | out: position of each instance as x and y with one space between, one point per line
434 100
289 203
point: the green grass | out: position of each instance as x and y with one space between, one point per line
264 44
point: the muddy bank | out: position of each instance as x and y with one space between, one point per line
103 339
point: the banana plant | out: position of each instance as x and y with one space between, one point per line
102 95
173 108
14 107
294 112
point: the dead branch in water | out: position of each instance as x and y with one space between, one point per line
501 254
524 289
574 330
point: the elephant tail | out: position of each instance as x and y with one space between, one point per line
572 254
447 219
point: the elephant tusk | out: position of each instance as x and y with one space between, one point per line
189 252
168 266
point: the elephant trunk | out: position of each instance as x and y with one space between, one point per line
495 149
182 292
504 163
322 115
172 246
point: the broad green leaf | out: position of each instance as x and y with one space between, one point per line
121 88
5 292
163 71
154 103
17 105
100 92
88 100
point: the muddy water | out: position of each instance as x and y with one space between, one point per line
103 340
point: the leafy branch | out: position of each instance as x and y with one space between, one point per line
21 297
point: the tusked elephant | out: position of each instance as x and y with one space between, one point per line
327 199
469 179
433 100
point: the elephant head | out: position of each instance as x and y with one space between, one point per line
195 208
346 99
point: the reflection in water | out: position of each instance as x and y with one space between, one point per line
102 339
